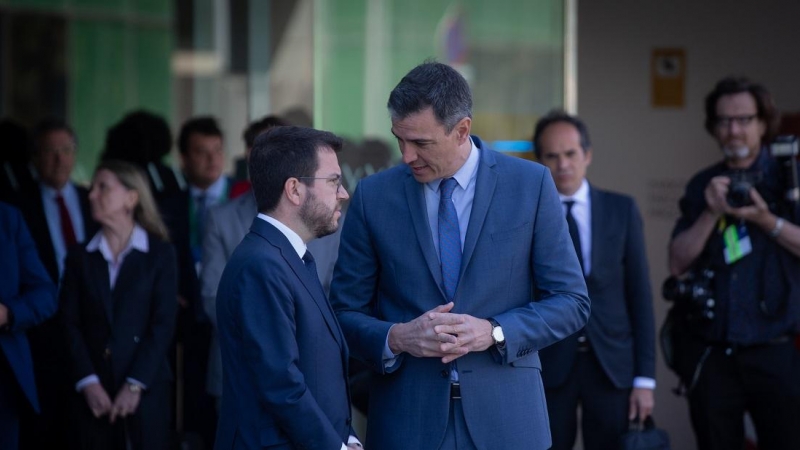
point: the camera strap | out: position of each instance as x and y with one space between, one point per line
737 241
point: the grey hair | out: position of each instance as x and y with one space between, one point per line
436 85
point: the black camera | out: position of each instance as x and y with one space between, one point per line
693 293
785 151
739 189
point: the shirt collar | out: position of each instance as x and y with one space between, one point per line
294 238
215 191
581 196
138 241
466 173
50 192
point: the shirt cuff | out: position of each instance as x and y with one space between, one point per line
389 358
644 383
354 440
86 381
136 382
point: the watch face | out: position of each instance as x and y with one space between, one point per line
497 334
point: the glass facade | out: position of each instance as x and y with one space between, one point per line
330 63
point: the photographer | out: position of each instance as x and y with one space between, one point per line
737 225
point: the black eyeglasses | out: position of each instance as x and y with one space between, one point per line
335 180
742 121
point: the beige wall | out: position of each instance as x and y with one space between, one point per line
650 153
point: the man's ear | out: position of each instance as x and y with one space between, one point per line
294 191
462 130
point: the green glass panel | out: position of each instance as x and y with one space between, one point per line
158 8
153 49
510 51
115 5
51 4
342 83
99 78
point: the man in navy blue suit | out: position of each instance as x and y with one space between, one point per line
27 297
454 270
284 357
609 367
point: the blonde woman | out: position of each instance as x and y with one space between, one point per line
118 302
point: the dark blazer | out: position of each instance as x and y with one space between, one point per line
27 292
124 332
283 354
33 210
621 329
515 268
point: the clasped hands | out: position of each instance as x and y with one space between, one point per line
99 402
441 334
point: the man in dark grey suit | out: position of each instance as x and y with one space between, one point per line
609 366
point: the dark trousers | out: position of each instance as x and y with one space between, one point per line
763 380
604 407
10 405
457 436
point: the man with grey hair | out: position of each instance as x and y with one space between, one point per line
454 270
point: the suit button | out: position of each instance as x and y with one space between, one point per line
136 339
444 374
107 353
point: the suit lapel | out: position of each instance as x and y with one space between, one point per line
130 273
597 226
415 196
99 268
485 184
312 284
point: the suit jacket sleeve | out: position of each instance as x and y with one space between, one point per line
214 259
353 289
560 303
155 343
35 298
266 309
639 296
70 297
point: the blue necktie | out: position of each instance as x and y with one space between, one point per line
449 238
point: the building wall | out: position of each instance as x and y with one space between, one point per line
650 152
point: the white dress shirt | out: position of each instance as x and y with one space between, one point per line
73 203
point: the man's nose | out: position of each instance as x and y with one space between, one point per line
409 155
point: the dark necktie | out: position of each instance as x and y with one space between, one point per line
67 230
573 231
311 266
449 238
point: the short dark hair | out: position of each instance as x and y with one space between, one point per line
47 126
556 116
766 110
436 85
259 126
205 125
282 153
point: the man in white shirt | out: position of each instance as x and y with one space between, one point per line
609 366
284 355
58 216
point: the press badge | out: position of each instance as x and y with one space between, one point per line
737 243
